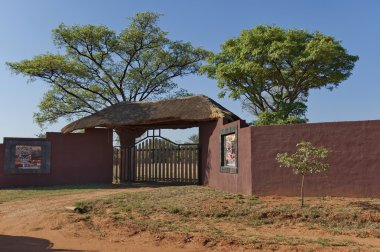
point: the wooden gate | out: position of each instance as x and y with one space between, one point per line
157 159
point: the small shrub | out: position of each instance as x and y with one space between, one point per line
308 159
174 210
222 214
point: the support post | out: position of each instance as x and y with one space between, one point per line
127 141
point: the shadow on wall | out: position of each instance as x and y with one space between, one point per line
23 243
207 169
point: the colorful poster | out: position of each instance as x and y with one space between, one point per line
28 157
230 150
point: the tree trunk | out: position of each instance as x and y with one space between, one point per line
303 178
127 140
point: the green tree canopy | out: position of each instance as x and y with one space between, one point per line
273 69
101 67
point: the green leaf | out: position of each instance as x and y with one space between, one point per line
274 69
100 67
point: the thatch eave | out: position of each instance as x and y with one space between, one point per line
176 113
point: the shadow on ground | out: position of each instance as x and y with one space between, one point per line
26 244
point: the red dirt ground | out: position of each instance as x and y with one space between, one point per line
42 224
34 225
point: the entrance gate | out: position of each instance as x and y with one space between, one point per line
157 159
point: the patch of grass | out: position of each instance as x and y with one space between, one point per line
216 231
36 192
365 205
296 241
322 242
329 243
254 200
56 227
85 219
174 210
126 208
84 206
116 216
221 213
36 229
218 215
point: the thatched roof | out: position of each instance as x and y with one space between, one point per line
175 113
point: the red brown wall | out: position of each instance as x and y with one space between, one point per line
77 158
241 182
1 162
354 159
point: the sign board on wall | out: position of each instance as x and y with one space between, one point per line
27 156
228 150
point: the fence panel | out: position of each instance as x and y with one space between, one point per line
158 159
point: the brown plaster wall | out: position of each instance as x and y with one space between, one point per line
80 158
209 134
1 161
354 159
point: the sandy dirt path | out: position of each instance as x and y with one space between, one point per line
34 225
43 224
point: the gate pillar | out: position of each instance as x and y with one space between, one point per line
127 140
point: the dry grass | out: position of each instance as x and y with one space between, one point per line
7 195
214 217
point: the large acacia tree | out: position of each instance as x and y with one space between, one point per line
100 67
273 69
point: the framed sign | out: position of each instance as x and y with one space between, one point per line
26 156
229 150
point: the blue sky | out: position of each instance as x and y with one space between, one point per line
25 31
